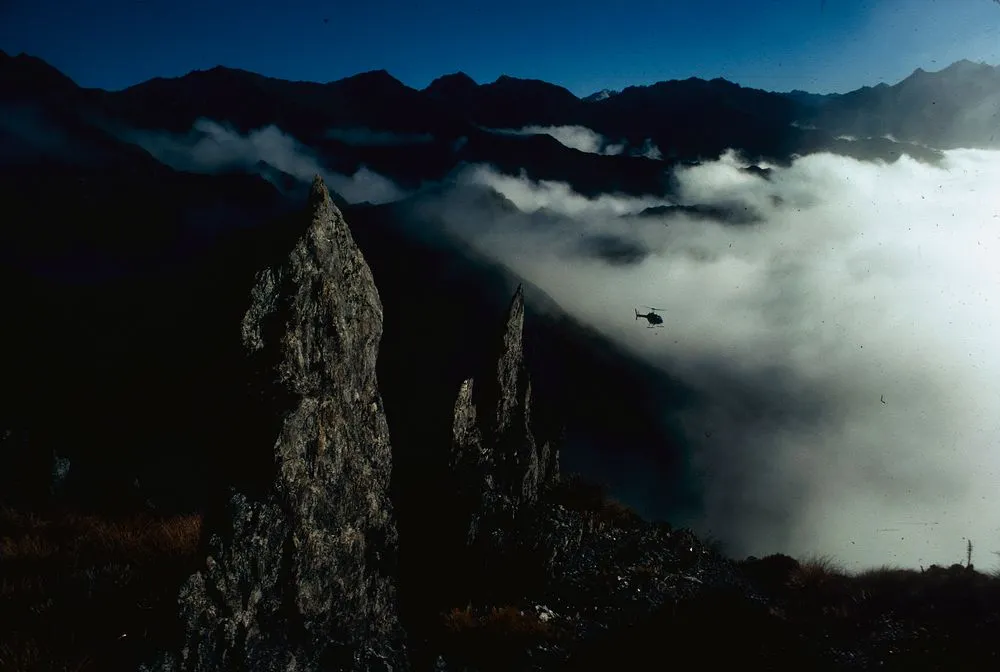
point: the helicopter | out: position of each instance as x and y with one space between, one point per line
651 317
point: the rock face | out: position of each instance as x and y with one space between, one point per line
500 468
300 568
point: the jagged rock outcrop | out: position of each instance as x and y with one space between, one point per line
500 467
300 574
589 573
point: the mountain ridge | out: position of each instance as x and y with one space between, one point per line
505 78
687 120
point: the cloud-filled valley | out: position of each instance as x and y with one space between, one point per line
843 344
838 332
214 147
586 140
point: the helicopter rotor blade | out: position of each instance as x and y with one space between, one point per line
651 308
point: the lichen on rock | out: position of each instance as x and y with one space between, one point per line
499 465
300 574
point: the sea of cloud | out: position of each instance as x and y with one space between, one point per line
845 344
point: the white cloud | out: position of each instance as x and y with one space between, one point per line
212 147
364 185
556 197
575 137
586 140
649 150
863 282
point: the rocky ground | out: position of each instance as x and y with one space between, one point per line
602 589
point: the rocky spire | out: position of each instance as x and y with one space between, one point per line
499 466
300 574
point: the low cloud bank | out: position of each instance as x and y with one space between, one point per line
586 140
845 345
212 147
554 197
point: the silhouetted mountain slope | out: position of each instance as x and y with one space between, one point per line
695 116
808 99
457 87
542 157
249 101
504 103
958 106
23 75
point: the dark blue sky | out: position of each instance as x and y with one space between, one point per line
585 45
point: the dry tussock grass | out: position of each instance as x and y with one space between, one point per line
504 621
819 573
135 538
31 546
72 584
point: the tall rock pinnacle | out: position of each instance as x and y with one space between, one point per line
499 467
300 577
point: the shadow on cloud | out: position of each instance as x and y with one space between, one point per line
212 147
844 342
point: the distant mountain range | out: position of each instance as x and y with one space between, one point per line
115 152
687 120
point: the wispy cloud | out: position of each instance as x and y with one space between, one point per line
648 150
576 137
557 197
844 347
587 140
212 147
